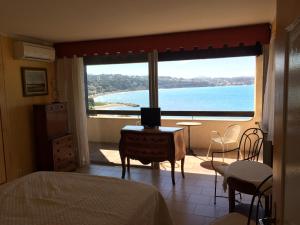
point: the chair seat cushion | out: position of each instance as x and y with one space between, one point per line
217 139
220 140
220 167
232 219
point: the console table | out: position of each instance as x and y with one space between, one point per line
152 145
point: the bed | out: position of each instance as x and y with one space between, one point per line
57 198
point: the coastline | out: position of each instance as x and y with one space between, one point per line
126 91
114 92
227 98
109 105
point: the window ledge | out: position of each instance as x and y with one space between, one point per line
204 118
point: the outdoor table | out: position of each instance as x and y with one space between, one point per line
189 124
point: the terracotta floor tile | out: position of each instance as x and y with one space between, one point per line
190 219
210 211
190 201
200 199
181 207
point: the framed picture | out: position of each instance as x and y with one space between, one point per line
34 81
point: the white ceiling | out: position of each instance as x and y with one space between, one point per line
74 20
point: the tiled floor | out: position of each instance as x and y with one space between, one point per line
108 153
190 201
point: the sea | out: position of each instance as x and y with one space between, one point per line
218 98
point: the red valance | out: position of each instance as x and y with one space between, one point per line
202 39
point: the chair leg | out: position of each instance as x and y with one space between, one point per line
215 196
240 194
208 150
223 151
251 208
257 208
231 198
267 206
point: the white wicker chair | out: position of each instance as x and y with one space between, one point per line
230 136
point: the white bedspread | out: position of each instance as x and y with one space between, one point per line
55 198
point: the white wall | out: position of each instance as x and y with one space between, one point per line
107 129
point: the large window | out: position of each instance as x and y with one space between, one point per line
223 84
187 86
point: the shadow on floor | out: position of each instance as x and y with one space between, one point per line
108 154
97 156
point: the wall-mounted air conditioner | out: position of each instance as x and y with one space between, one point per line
26 50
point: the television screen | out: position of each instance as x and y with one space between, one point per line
150 117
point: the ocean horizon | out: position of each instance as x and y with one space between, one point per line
217 98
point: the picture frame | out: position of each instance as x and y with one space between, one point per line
34 81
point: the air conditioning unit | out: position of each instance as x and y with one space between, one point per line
26 50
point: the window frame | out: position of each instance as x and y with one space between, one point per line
152 59
111 59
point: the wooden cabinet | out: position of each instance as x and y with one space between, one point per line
152 145
54 143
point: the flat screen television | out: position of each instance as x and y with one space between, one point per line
150 117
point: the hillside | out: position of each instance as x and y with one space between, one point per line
104 83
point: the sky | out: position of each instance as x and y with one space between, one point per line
222 67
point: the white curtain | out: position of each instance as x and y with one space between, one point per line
70 88
269 95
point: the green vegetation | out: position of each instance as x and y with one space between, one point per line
100 103
105 83
98 84
91 103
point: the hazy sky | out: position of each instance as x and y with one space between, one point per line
223 67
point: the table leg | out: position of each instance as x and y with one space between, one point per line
128 165
123 166
155 165
231 198
189 134
173 171
182 167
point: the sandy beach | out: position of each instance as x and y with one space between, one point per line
109 105
112 92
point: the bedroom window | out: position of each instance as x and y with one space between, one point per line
113 86
222 84
193 84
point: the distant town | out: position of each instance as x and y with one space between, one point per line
107 83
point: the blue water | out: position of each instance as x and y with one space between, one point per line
221 98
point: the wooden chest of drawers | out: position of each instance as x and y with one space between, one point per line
152 145
63 154
54 144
